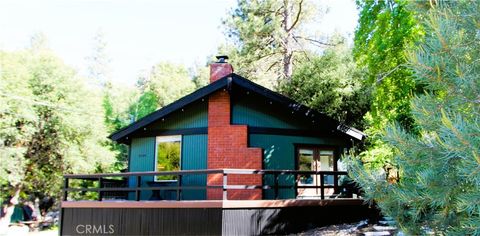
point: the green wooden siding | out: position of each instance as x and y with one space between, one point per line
142 154
256 112
279 150
194 157
142 158
192 116
279 154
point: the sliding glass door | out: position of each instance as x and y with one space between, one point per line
314 159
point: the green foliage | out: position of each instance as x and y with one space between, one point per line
265 36
17 121
200 75
146 104
268 37
165 83
116 104
168 82
114 100
438 188
255 27
50 122
331 84
168 158
386 30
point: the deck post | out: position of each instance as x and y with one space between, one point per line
65 187
295 186
322 189
100 186
179 191
275 175
225 197
137 191
335 183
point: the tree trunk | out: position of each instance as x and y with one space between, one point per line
8 210
287 41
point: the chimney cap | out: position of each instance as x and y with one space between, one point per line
222 58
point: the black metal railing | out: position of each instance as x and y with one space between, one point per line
118 184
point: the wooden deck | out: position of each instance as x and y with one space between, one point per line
224 204
133 215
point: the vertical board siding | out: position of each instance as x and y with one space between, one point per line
192 116
291 220
208 221
194 157
142 221
142 155
259 113
142 158
279 154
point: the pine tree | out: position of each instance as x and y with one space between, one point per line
268 37
439 169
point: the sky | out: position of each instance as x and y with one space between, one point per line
139 33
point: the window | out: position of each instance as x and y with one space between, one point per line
168 155
314 159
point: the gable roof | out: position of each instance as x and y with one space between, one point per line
226 83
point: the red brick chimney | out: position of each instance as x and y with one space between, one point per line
220 69
228 144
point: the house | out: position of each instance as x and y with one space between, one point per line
250 160
235 123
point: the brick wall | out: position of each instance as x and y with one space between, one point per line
228 148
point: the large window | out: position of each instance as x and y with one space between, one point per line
168 155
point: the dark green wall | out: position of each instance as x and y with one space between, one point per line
279 154
192 116
142 158
256 111
194 147
194 157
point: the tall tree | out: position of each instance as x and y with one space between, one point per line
386 30
438 188
116 102
266 37
17 126
331 84
50 125
115 99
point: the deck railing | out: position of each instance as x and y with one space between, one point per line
104 187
